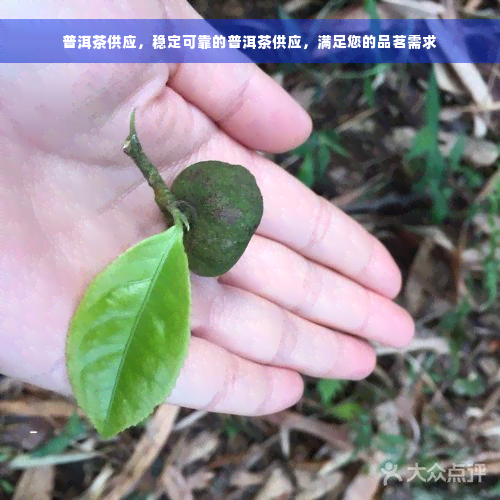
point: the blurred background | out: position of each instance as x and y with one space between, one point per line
412 153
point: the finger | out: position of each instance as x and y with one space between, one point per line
243 100
216 380
253 327
273 271
246 103
172 130
314 227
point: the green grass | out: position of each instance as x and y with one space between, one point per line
316 155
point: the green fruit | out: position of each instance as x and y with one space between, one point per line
224 207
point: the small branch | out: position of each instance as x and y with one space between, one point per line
163 197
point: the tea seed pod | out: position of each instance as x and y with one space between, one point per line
224 209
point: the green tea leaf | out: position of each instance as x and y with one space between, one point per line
323 159
456 152
362 430
491 277
130 334
329 388
332 139
346 410
303 149
306 171
471 386
368 91
422 144
7 486
371 9
74 428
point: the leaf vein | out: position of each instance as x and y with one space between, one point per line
136 321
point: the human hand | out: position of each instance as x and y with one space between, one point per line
308 295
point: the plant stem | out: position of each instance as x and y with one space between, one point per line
163 197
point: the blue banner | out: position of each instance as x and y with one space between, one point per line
247 40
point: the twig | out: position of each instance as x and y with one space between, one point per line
163 197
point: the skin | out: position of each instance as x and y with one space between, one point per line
310 294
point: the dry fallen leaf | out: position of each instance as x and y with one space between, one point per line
242 479
174 484
25 434
317 487
99 484
152 441
35 484
277 484
446 80
365 485
412 9
34 407
201 447
200 479
479 152
330 433
420 272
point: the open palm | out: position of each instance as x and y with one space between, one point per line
311 290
